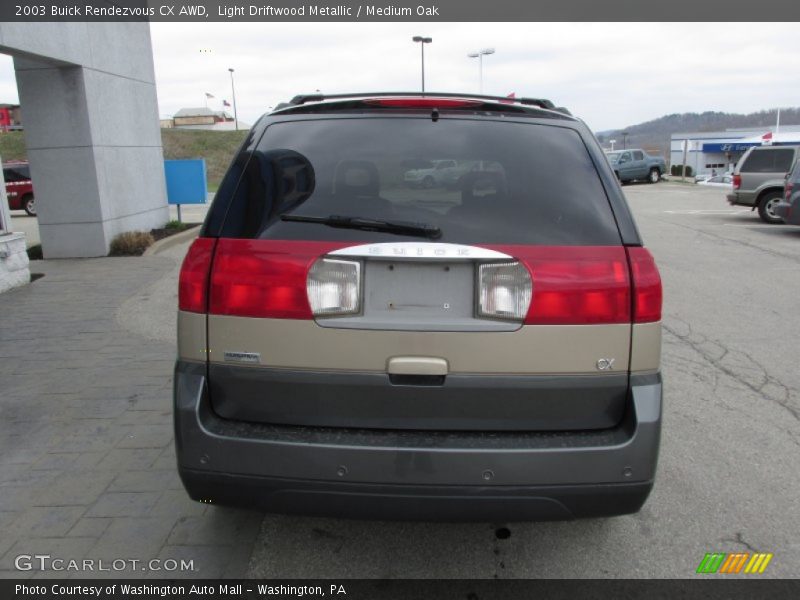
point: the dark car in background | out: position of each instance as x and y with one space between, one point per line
19 187
350 346
788 209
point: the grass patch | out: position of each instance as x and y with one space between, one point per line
131 243
216 147
176 225
12 146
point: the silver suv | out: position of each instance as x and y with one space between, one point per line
350 345
759 176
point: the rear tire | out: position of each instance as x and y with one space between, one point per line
654 176
766 207
29 205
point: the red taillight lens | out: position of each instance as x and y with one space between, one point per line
264 278
787 189
193 280
737 182
647 292
423 102
576 285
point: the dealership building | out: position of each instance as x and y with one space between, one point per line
719 151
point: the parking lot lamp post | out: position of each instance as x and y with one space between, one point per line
479 55
624 140
233 93
422 41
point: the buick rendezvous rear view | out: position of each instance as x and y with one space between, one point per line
355 343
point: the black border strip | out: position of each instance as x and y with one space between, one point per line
399 11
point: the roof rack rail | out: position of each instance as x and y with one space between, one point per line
538 102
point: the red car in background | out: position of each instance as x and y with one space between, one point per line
19 188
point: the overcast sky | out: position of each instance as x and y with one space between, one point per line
611 75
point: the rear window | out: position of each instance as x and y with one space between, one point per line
20 173
777 160
795 172
478 181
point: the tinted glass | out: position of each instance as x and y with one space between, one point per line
795 174
478 181
16 174
638 156
777 160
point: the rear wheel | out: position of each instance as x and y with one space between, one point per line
654 176
766 207
29 205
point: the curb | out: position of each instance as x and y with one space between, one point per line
173 240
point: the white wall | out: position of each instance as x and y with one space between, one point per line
90 113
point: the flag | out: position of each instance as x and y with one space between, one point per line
511 98
225 103
209 96
766 139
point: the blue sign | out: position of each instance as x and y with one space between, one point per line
186 181
729 146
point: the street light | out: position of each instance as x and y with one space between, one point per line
422 41
624 140
233 93
479 55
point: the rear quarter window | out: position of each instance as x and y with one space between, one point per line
505 181
16 174
778 160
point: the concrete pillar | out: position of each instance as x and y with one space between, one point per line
92 132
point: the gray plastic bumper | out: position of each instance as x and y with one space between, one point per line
417 474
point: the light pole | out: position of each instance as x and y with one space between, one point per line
233 93
422 41
479 55
624 140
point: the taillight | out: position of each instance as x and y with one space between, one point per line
647 292
334 287
193 280
575 285
737 182
504 291
426 102
787 189
264 278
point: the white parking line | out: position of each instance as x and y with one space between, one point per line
707 212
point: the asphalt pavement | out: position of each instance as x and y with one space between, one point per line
727 478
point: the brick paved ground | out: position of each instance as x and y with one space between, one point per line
87 464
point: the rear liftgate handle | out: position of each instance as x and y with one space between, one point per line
417 370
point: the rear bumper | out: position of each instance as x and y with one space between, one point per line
432 475
736 199
788 212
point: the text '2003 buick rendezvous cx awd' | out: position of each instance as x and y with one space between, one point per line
352 345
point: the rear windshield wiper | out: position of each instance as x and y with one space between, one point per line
344 222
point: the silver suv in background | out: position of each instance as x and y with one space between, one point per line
758 179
